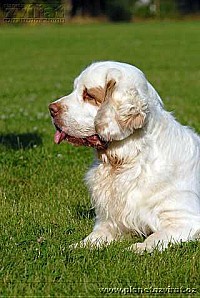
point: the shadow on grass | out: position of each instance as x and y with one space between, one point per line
85 213
20 141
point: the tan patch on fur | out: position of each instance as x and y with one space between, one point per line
115 161
133 121
59 106
109 88
107 157
97 95
102 126
94 96
138 120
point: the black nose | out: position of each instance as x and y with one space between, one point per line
54 108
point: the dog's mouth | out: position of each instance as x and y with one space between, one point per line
90 141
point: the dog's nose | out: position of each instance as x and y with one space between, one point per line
54 108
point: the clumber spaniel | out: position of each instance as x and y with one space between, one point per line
146 175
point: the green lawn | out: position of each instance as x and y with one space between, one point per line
44 204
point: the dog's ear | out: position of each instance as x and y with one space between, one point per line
105 120
123 110
134 112
133 122
121 113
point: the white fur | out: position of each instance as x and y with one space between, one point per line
154 189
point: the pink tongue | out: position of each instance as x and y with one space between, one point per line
59 136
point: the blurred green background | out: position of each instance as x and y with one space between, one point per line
44 205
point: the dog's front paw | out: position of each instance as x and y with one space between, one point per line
149 245
89 243
140 248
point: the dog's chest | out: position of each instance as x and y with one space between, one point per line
111 189
118 195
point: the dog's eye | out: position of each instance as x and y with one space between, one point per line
88 96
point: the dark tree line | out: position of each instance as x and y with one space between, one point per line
188 6
98 7
88 7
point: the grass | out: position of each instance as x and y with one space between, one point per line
45 206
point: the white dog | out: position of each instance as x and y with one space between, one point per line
146 176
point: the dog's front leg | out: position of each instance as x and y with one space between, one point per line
102 235
161 239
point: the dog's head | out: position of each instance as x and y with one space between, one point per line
110 101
